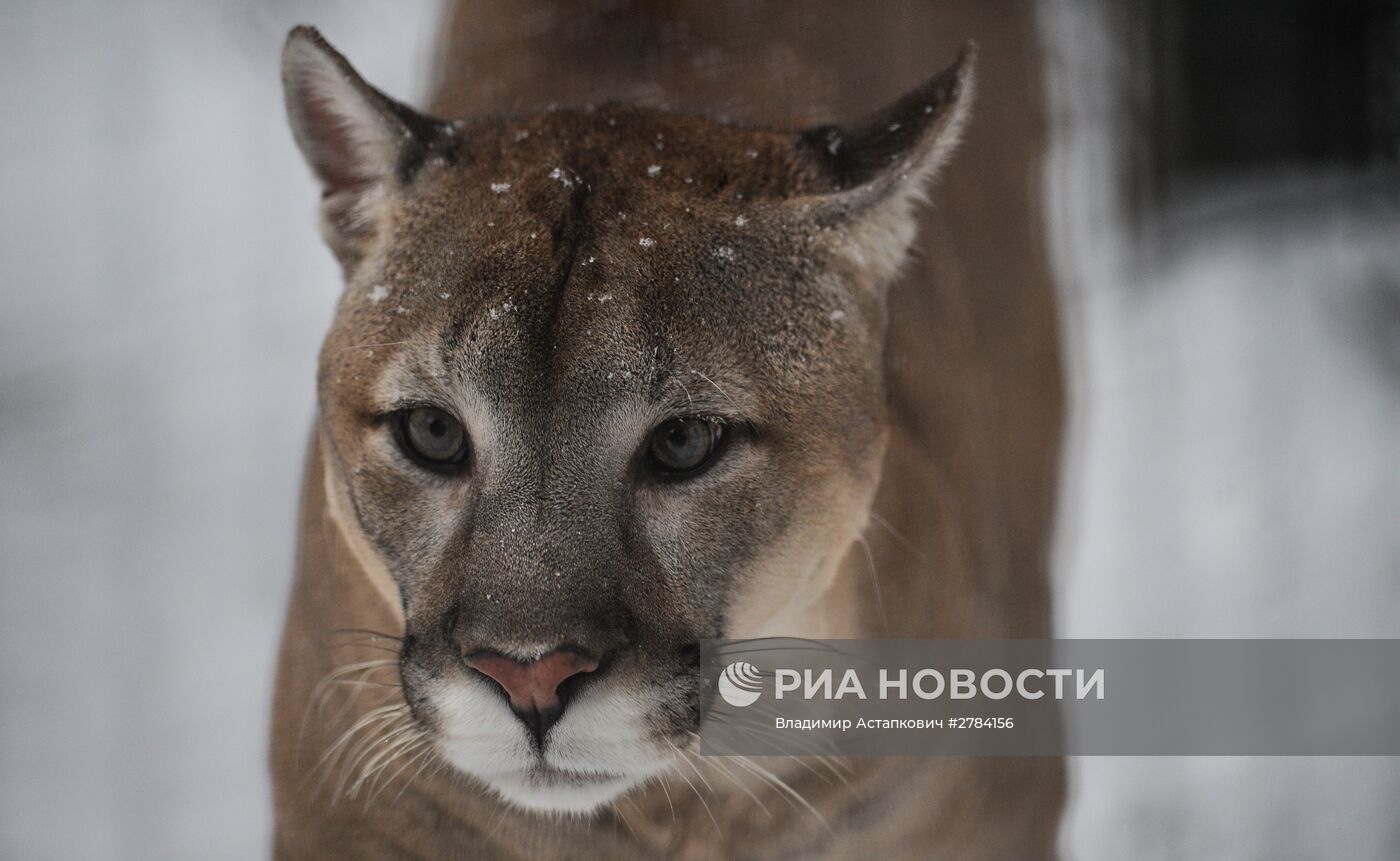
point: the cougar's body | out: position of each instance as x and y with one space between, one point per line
626 222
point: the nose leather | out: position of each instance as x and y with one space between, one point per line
532 685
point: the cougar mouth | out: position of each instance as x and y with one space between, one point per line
600 747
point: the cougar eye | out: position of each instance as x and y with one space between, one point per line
683 446
432 438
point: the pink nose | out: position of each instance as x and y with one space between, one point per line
532 686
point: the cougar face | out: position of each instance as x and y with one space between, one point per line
602 383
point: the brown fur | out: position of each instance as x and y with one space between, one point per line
952 410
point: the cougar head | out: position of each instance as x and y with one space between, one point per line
602 383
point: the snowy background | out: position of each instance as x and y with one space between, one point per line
164 294
1234 466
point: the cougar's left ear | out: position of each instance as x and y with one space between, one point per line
357 140
880 168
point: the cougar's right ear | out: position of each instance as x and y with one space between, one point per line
359 142
879 168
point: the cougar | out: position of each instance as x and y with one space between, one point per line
616 370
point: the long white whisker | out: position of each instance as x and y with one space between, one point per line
899 537
717 388
385 712
719 833
875 581
316 701
712 763
667 792
369 749
333 754
777 782
623 819
685 757
425 760
390 744
407 755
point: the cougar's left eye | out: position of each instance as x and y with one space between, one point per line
682 447
432 438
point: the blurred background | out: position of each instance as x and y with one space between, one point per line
1223 189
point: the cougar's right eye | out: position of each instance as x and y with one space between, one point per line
683 447
433 439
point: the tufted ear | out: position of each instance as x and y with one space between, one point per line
355 138
880 168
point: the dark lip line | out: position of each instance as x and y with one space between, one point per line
544 770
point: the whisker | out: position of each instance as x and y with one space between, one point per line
384 344
369 632
391 712
366 643
748 764
685 756
497 821
702 376
667 792
718 832
365 752
365 720
361 683
426 759
833 764
713 763
377 767
800 759
875 581
623 819
389 744
899 537
349 669
407 757
321 692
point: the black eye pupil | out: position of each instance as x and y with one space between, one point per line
683 446
433 438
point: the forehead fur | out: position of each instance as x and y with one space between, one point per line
607 251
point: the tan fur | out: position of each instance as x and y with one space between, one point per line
947 419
